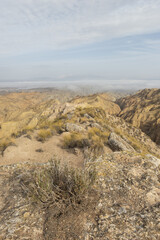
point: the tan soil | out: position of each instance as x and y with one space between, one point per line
25 151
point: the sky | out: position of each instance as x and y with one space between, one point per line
107 43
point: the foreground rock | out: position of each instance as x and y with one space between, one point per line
128 207
18 219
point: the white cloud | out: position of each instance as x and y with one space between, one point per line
39 25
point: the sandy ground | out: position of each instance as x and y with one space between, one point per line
25 150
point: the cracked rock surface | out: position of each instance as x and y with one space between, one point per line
128 207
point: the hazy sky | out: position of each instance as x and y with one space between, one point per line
115 43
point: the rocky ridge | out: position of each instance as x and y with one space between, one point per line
126 162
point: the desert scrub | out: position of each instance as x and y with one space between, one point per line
4 143
73 140
28 129
44 134
94 140
19 133
43 123
58 185
97 139
96 147
103 135
58 126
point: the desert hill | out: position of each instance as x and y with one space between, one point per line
39 114
110 187
19 110
143 111
104 100
25 110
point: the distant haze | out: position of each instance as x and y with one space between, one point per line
106 44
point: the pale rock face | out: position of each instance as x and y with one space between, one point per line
71 127
153 196
96 125
118 144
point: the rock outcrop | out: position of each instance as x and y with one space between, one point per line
71 127
118 144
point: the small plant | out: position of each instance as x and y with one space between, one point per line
97 147
73 140
28 129
103 136
64 195
44 134
4 143
60 186
94 140
18 134
58 126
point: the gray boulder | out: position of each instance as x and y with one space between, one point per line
72 127
116 143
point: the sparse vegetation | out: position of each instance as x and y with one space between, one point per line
18 134
4 143
103 136
59 185
65 195
138 146
93 112
44 134
73 140
56 126
94 140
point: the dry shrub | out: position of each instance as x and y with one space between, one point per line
98 139
44 134
43 123
58 126
94 140
73 140
60 186
4 143
28 129
65 195
19 133
103 136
